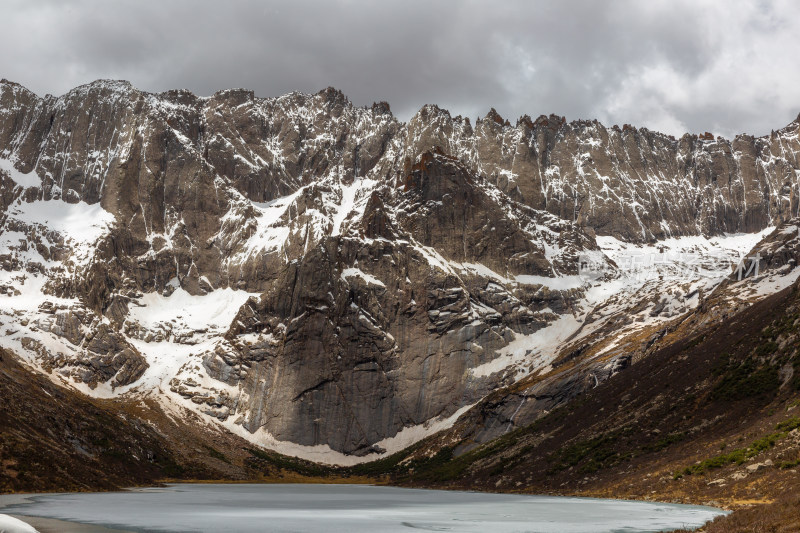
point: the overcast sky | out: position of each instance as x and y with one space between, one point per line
674 66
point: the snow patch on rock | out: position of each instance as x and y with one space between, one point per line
31 179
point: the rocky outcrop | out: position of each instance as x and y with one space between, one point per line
101 354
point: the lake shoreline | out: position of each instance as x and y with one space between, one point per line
731 505
448 503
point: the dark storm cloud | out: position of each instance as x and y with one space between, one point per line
674 66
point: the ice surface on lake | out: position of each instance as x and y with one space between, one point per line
354 508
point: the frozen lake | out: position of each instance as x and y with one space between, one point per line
351 508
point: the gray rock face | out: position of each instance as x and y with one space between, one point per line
392 261
101 354
363 336
630 183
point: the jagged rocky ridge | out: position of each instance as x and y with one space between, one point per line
310 272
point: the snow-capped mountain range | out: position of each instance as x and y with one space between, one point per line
330 282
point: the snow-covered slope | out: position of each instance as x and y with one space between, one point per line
330 282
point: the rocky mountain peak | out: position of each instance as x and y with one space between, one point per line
494 116
381 108
307 272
